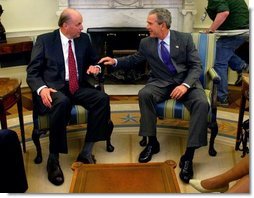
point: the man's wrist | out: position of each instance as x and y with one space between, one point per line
40 88
99 67
186 85
114 65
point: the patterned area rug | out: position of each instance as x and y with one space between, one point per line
227 123
125 138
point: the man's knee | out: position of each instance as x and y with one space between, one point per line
144 93
104 97
63 102
204 105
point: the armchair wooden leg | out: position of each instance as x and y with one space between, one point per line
214 132
143 142
36 139
109 146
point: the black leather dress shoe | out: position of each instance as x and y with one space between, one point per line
147 153
86 160
55 173
186 172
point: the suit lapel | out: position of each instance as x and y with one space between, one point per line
58 53
78 51
174 46
58 49
154 46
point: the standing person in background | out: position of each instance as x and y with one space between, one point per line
175 71
58 74
12 169
231 19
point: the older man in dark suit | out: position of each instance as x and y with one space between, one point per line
175 70
61 62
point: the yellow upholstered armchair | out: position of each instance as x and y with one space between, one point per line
206 46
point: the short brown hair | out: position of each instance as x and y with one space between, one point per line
163 15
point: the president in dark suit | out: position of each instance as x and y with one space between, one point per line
175 69
61 62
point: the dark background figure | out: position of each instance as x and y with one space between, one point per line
2 30
12 171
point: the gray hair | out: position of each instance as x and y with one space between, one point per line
163 15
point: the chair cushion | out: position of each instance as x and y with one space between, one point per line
78 116
176 110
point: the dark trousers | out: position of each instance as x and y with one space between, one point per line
195 101
12 172
97 104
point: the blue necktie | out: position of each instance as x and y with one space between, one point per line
166 58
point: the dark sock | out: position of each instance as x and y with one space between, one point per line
189 153
54 156
87 149
152 140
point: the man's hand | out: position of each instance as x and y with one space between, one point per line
93 70
178 92
208 31
107 61
46 97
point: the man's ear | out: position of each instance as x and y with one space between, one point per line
164 25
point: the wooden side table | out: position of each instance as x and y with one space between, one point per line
242 109
155 177
10 94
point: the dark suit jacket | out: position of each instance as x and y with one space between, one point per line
184 56
47 61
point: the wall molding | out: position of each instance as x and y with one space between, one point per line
183 11
88 4
28 32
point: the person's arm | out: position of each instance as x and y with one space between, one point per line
108 61
34 74
194 69
219 19
34 69
193 62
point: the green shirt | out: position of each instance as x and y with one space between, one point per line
238 17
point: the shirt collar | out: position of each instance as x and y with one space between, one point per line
166 39
64 39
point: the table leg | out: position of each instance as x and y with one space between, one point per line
3 119
21 122
240 121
